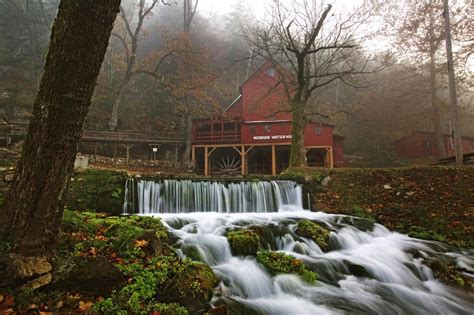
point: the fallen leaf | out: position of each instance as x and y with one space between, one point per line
84 306
93 251
141 243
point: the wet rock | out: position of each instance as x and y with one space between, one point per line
192 288
244 241
94 275
311 230
19 270
326 181
447 272
358 270
219 310
39 282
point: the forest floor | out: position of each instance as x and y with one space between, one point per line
425 202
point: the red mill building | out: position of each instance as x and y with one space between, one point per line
254 134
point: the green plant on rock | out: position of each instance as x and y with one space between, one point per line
278 263
362 213
244 241
166 279
309 229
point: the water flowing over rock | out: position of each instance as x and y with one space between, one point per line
372 272
177 196
365 271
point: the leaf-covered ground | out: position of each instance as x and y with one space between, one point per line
426 202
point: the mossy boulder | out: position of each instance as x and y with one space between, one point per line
193 287
278 263
311 230
98 190
245 241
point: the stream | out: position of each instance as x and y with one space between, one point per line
367 269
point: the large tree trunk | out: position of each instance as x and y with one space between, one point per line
452 88
434 100
298 151
34 205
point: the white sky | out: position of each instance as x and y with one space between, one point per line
225 6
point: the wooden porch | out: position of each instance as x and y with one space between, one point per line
245 159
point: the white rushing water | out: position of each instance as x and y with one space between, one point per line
368 269
178 196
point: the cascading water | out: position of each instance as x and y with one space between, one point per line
367 270
178 196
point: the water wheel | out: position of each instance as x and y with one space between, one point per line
227 165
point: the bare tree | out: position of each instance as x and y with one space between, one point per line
129 41
310 49
452 87
419 31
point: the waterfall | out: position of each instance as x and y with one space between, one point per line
371 271
366 269
185 196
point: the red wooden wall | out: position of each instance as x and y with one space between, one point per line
423 144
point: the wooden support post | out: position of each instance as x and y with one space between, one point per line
242 158
193 154
274 172
95 150
331 158
206 161
243 155
154 148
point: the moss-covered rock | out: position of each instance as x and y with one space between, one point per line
449 274
311 230
97 189
245 241
277 263
193 287
83 231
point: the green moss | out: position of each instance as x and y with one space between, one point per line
302 174
277 263
82 231
419 232
99 190
362 213
166 279
317 233
244 241
197 280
